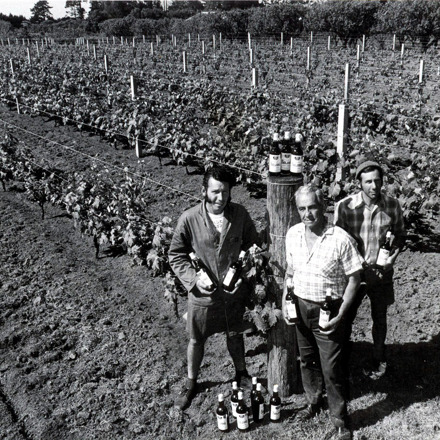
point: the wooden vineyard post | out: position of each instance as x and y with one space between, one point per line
185 65
341 172
38 49
254 78
114 41
152 49
94 52
363 43
18 105
11 62
133 85
213 44
220 42
282 39
138 149
328 43
251 57
402 54
308 66
394 43
106 63
311 37
143 39
189 40
249 41
358 60
203 48
281 342
421 70
347 82
291 45
29 56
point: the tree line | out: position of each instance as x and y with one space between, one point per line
418 20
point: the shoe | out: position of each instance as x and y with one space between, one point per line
309 412
185 397
243 379
343 433
377 372
339 433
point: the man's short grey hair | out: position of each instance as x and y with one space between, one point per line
310 188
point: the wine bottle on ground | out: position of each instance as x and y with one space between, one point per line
384 251
222 414
291 303
275 405
297 156
257 405
202 271
233 273
242 413
234 399
325 312
275 156
286 148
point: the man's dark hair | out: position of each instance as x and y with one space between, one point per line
369 169
219 173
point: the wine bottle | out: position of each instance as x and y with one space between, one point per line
384 251
297 156
222 414
257 405
291 304
325 312
242 413
233 273
202 272
285 148
275 156
234 399
275 405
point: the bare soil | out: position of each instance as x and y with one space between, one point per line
89 349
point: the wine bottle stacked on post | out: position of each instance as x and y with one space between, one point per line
275 156
297 156
286 147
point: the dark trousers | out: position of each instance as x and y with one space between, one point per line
321 361
381 294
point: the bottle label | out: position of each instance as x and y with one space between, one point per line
274 163
242 421
228 278
261 411
234 408
275 412
285 161
324 317
296 164
222 422
382 257
291 310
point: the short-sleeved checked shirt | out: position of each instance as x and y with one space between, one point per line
333 259
369 225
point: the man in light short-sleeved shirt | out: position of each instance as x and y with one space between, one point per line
321 256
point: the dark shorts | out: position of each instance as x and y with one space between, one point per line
379 286
203 322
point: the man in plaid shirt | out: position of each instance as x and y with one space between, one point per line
321 256
367 216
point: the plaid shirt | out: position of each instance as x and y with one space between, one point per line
369 225
333 259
